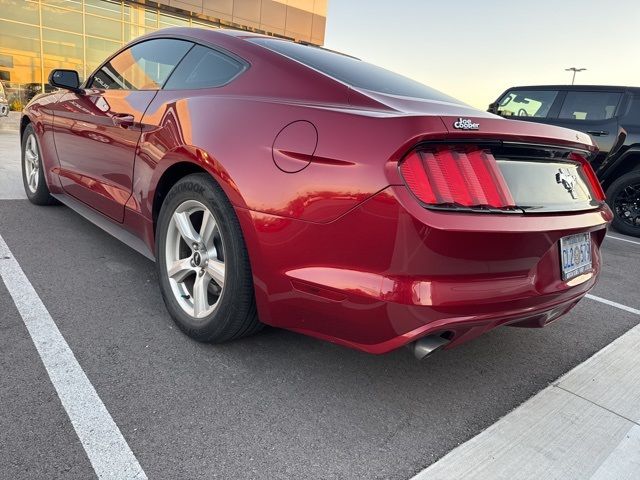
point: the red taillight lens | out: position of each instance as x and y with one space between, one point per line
591 176
465 176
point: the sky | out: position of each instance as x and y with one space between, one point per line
474 50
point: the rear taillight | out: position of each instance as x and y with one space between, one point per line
596 188
463 176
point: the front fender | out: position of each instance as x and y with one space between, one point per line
39 113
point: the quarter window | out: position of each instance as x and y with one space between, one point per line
527 103
144 66
590 105
202 68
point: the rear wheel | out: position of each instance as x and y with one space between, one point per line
623 197
35 185
203 264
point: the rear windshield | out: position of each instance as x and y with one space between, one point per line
354 72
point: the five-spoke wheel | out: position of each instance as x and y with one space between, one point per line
203 264
31 163
33 179
194 252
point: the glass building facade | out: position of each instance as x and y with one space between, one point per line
37 36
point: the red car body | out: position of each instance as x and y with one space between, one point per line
340 247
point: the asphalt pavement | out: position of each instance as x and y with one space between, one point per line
277 405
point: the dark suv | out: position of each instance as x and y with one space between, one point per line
611 115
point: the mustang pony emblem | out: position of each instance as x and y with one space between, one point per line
567 180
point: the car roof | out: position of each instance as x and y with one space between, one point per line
240 33
198 33
590 88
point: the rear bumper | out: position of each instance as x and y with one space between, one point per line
389 272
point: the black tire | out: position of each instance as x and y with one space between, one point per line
235 313
40 195
623 196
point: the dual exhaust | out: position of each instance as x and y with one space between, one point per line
427 346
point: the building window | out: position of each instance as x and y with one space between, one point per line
39 35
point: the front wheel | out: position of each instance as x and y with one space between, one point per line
203 264
33 179
623 196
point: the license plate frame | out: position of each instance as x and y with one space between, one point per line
575 255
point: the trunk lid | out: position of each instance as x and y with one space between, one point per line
538 168
498 128
535 161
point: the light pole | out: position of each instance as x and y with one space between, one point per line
574 70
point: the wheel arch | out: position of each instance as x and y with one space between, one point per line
24 121
174 173
182 162
628 162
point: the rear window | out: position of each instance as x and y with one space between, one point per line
527 103
354 72
590 105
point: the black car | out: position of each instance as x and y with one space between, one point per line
611 115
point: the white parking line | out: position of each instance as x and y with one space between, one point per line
583 426
101 438
623 239
613 304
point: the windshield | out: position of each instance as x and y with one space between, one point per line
354 72
527 103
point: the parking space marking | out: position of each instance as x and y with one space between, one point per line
613 304
571 429
623 239
108 451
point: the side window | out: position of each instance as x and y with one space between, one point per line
527 103
633 113
590 105
204 67
144 66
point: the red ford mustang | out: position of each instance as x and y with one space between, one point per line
283 184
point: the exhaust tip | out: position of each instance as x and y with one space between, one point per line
428 345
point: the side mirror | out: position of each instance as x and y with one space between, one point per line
493 108
67 79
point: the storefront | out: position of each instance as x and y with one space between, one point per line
39 35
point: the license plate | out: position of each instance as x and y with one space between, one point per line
575 255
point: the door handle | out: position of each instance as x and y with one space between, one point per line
123 120
597 133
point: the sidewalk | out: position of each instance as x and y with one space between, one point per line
10 123
584 426
10 170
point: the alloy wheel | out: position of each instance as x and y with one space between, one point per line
31 163
627 205
194 255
